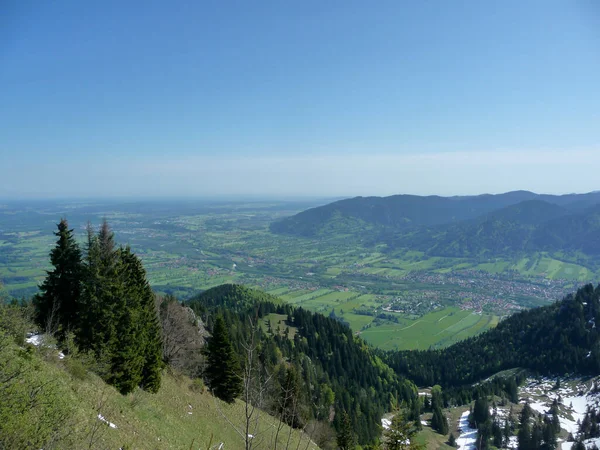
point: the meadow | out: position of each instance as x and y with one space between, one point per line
437 329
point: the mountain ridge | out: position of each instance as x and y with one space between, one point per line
484 225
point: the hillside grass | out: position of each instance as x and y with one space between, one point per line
432 440
278 321
179 416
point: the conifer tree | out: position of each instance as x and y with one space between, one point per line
524 435
56 307
223 370
452 440
401 434
439 422
119 317
126 349
415 413
107 302
346 438
152 334
97 331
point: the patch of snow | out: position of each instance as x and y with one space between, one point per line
539 407
423 422
468 435
589 443
577 406
38 340
500 413
110 424
35 339
386 423
513 442
575 398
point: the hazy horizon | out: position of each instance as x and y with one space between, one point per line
252 198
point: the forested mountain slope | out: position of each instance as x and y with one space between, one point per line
397 212
336 371
558 339
526 227
486 225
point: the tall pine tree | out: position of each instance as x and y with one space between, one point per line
346 438
126 349
223 370
401 434
152 330
439 422
119 319
96 309
56 307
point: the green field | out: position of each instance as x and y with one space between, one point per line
439 328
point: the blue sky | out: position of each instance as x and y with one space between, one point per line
306 98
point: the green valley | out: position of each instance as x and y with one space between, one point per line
392 297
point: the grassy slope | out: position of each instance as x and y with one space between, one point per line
174 418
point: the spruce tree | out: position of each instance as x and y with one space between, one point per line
415 413
127 348
452 440
401 434
524 435
107 302
481 410
152 331
99 297
346 438
56 307
223 370
88 291
439 422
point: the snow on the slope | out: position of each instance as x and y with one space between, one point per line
539 407
35 339
38 340
501 413
110 424
577 406
468 435
385 423
574 400
589 443
423 422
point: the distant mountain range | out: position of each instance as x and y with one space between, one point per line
483 225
